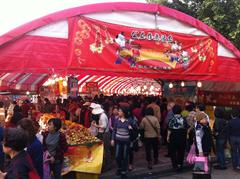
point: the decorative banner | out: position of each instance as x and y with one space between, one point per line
97 45
72 86
219 98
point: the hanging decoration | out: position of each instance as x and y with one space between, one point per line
120 48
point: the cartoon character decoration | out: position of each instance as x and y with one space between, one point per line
173 53
125 44
176 47
135 55
178 54
185 58
120 40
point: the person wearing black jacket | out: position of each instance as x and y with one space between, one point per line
220 131
234 133
177 137
21 166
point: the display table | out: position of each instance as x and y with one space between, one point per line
85 159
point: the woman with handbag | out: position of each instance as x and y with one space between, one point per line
151 127
203 142
55 145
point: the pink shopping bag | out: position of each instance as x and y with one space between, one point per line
201 164
46 167
191 155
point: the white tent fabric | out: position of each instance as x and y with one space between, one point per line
14 13
60 29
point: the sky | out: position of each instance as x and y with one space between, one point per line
14 13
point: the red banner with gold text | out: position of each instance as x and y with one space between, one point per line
102 46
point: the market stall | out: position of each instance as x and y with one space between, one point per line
85 152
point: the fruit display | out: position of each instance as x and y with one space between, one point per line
44 120
76 134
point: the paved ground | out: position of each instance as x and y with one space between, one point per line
161 171
216 174
140 165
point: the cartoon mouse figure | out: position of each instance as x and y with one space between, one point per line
120 40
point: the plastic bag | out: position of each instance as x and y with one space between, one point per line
191 155
201 164
46 167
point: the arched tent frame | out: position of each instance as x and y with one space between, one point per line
228 58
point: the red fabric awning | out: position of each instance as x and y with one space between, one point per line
22 81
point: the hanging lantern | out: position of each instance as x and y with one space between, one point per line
182 84
64 83
170 85
199 84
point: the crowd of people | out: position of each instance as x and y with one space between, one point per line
123 123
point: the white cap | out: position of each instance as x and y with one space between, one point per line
97 110
93 105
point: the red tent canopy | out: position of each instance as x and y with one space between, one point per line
116 84
22 81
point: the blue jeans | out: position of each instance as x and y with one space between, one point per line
235 145
220 145
122 152
56 168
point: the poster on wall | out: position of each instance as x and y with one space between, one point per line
118 48
72 86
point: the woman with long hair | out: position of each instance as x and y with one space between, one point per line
121 140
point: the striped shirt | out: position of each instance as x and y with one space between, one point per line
121 131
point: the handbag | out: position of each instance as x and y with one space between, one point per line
191 155
201 164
